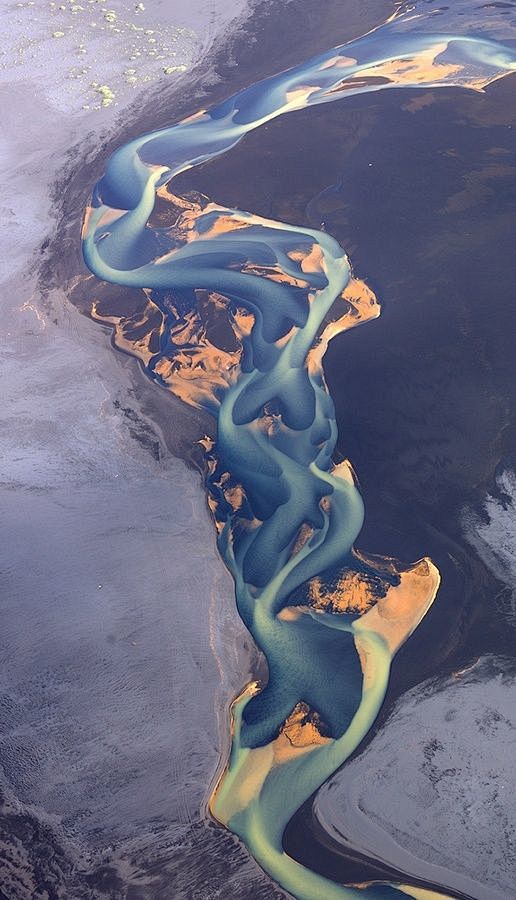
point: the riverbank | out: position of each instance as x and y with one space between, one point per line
413 488
119 648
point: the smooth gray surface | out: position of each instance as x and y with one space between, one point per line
116 610
434 793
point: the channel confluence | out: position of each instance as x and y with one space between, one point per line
327 617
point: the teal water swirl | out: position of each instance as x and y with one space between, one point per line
286 515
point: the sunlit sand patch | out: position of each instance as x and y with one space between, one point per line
207 443
396 615
305 533
274 273
422 68
195 375
124 329
235 496
354 593
339 62
196 116
345 471
223 224
360 306
179 214
285 291
309 262
298 96
302 731
391 610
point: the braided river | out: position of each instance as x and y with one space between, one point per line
239 312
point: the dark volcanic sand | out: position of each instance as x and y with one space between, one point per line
422 199
205 862
419 188
274 37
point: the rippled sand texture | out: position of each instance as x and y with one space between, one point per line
234 314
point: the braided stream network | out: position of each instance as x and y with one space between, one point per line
327 618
